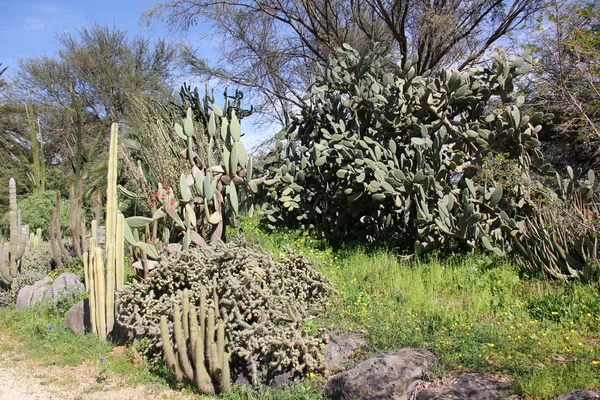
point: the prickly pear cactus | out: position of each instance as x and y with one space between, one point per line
382 153
211 192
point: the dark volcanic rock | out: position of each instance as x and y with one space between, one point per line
389 376
469 386
580 395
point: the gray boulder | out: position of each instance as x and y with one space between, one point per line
77 318
580 395
31 294
66 284
389 376
469 386
341 348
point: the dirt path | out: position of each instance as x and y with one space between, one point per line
25 379
12 387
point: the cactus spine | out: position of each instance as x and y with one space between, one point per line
103 277
201 357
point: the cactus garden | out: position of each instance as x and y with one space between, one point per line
404 203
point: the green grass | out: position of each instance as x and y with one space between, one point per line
475 312
44 338
43 333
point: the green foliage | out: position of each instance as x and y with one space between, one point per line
43 331
575 303
567 83
475 312
430 161
266 305
382 152
35 212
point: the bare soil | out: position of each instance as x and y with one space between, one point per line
25 379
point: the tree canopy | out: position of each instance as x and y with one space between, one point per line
274 48
89 84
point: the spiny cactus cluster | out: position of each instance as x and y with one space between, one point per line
381 152
200 355
210 191
263 303
561 239
104 270
11 253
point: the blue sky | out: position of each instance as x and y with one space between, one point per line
29 29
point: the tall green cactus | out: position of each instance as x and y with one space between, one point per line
11 253
201 357
210 193
60 255
104 276
75 216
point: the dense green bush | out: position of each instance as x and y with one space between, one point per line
35 212
434 160
381 151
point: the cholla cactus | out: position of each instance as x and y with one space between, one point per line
265 305
201 356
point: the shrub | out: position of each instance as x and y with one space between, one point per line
35 212
266 305
435 160
381 151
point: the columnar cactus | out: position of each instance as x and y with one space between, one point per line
104 276
201 356
11 253
76 223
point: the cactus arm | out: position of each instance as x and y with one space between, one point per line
183 358
99 293
109 294
168 349
111 188
199 358
120 252
14 227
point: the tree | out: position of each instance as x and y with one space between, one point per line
272 48
87 86
567 82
